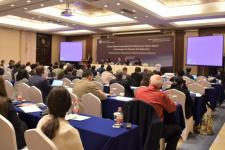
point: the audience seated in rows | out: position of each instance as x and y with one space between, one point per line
22 77
28 68
54 125
41 83
145 80
79 71
7 110
94 71
221 76
161 102
179 84
86 85
136 77
107 75
123 82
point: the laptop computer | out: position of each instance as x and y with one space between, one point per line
57 83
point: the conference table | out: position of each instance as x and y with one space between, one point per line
111 104
96 133
106 88
130 69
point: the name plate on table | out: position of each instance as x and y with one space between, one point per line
76 117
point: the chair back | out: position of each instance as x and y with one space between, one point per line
92 105
66 82
8 135
35 95
177 96
188 80
99 85
75 80
9 89
23 89
117 88
196 88
37 140
204 83
7 76
166 85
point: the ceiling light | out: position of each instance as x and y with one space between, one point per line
200 22
146 16
139 32
106 6
129 28
117 4
134 10
61 1
42 5
28 1
75 32
135 17
122 12
25 8
12 5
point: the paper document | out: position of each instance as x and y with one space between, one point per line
30 108
125 99
76 117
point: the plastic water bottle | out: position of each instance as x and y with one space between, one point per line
118 118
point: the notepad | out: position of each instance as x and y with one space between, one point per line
30 108
76 117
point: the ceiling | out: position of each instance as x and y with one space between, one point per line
104 16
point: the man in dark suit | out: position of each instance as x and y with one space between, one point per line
123 82
136 77
41 83
101 69
69 71
188 73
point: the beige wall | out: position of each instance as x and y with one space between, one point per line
17 45
20 45
189 33
56 40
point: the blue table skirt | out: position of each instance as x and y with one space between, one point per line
219 92
211 96
96 133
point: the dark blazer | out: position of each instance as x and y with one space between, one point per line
188 102
136 79
125 84
144 115
100 70
18 125
69 76
189 76
41 83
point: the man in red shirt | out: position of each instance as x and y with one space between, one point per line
160 102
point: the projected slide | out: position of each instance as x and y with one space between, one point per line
71 51
205 51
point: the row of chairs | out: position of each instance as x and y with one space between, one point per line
34 138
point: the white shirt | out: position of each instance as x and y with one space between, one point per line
107 77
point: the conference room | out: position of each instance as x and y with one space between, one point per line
112 74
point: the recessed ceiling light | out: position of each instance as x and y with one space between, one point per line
105 5
12 5
25 8
134 10
117 4
146 16
42 5
135 17
61 1
122 12
28 1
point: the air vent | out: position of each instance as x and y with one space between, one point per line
127 11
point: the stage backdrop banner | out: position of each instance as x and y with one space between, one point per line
149 49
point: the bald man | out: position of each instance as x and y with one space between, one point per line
160 102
